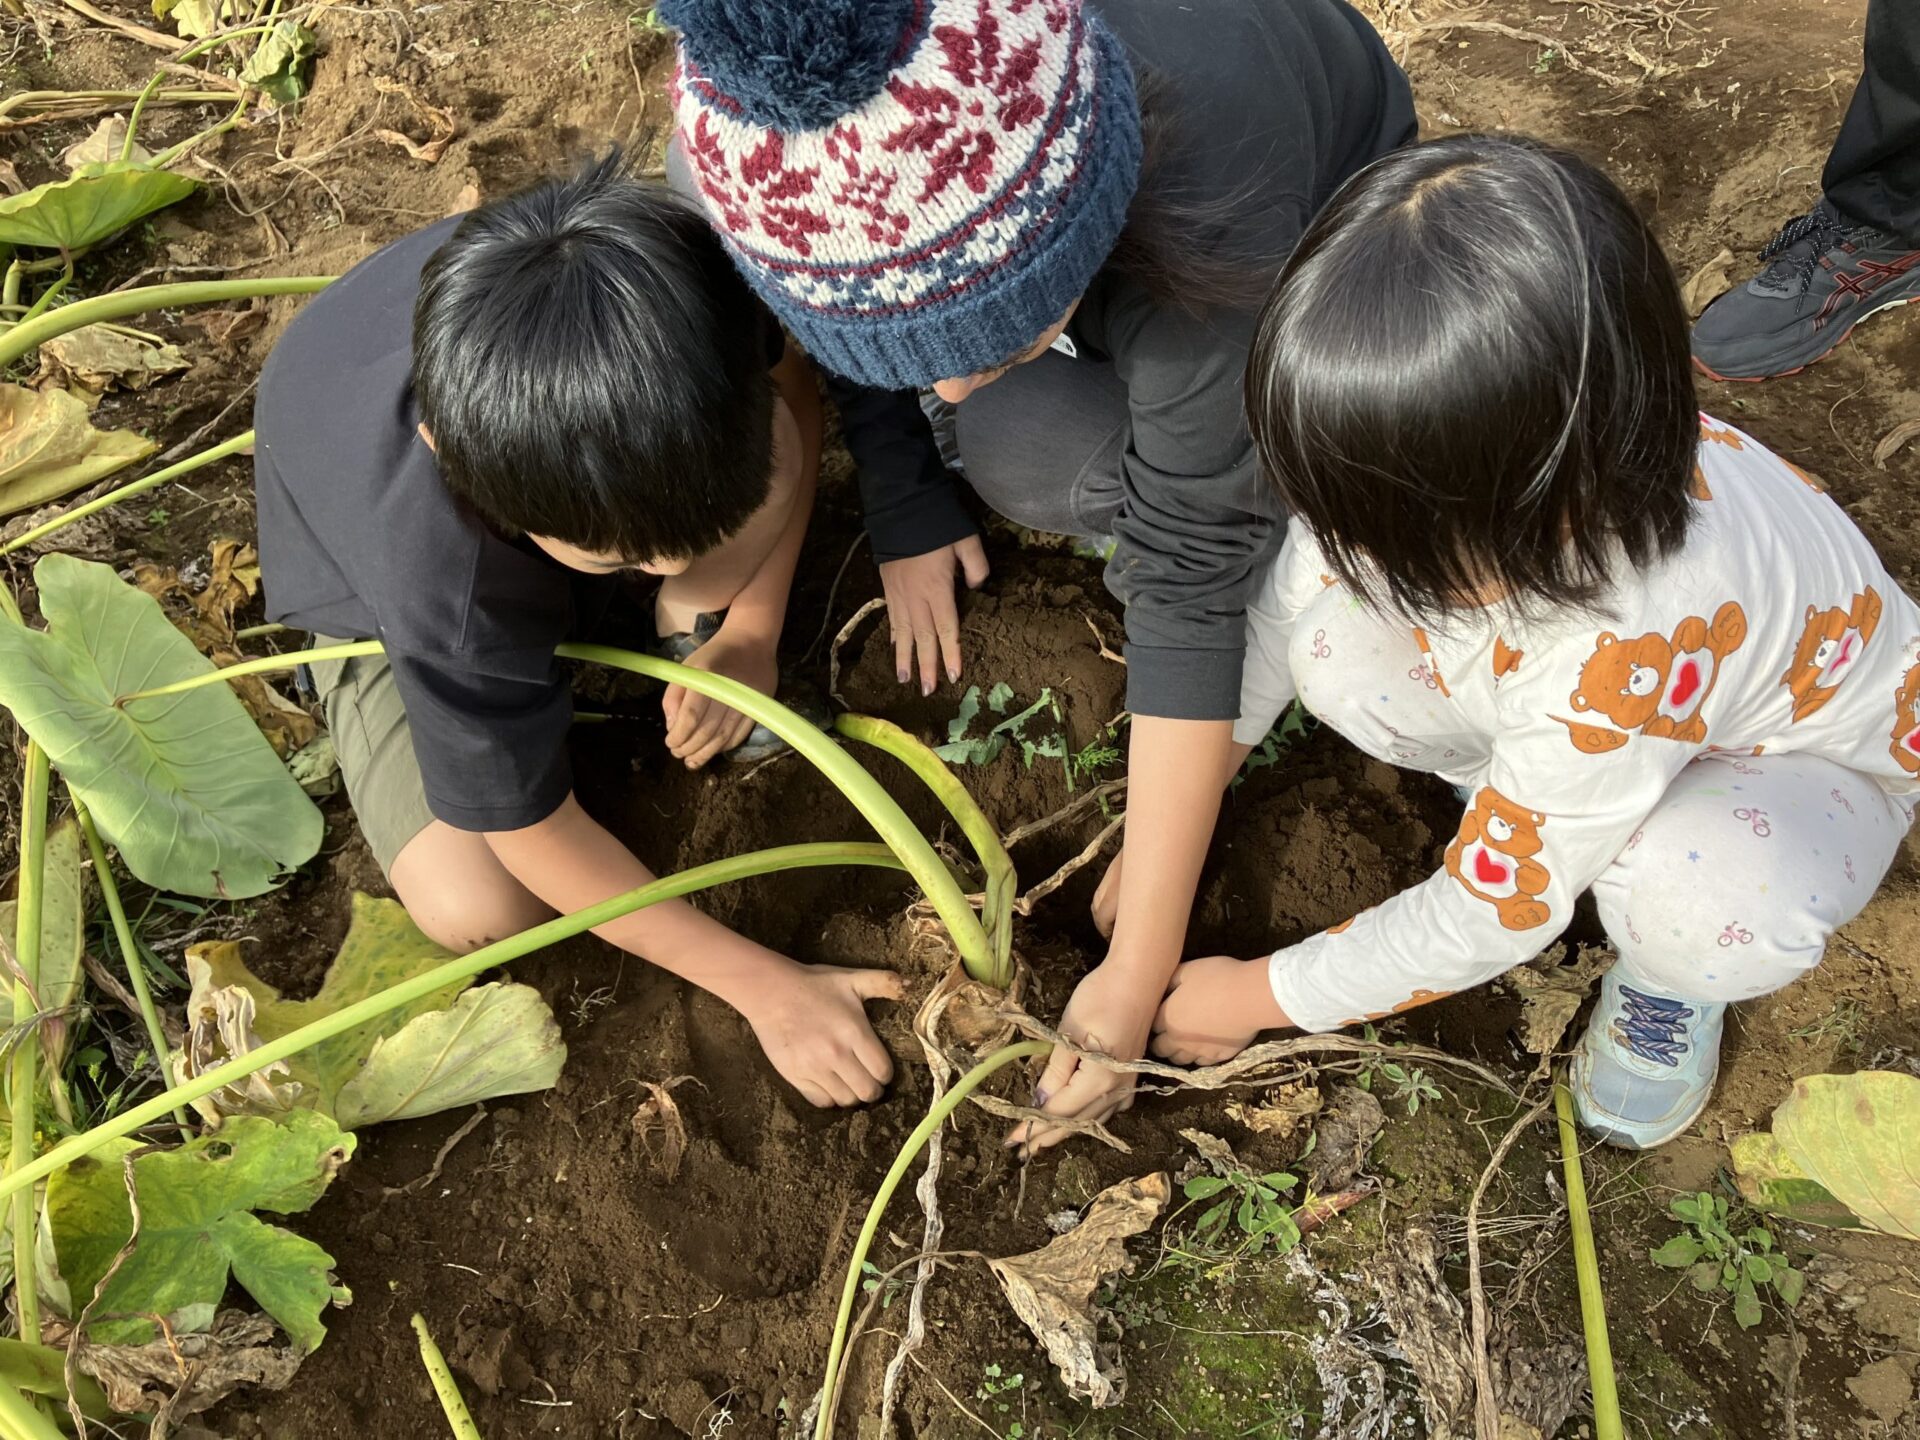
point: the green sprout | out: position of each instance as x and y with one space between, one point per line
1743 1264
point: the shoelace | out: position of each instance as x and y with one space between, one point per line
1821 228
1653 1028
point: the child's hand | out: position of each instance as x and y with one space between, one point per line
1106 898
699 728
811 1021
922 613
1110 1013
1213 1009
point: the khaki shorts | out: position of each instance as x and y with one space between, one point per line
375 748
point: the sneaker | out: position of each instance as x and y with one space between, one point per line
1645 1068
1825 274
761 743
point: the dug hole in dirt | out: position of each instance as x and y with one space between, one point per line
584 1281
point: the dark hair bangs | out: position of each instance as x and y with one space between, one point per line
1473 379
593 369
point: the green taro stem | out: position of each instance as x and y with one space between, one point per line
444 1386
868 796
121 303
26 954
21 1420
1586 1268
915 1143
501 952
127 492
1001 882
129 952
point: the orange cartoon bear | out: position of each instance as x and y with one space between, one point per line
1493 857
1654 684
1832 642
1906 722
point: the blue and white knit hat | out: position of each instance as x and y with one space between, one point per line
917 188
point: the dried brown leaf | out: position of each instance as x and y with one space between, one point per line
1215 1151
1349 1121
102 146
227 328
1891 442
1552 990
1428 1323
10 181
1708 283
1052 1289
220 1022
661 1129
94 359
1281 1111
441 126
183 1375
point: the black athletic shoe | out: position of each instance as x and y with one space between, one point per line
1825 275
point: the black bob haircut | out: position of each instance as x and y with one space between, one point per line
593 369
1474 377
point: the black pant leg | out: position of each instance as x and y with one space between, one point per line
1873 173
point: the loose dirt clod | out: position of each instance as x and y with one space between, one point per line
1052 1288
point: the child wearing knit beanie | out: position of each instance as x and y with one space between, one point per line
1057 217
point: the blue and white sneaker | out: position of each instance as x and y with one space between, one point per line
1645 1069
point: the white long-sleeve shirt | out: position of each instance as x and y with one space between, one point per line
1774 629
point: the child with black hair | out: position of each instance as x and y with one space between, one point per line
1655 658
463 444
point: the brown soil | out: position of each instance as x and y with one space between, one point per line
579 1293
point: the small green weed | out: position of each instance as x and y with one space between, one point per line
874 1278
1292 728
1410 1082
963 748
1097 755
999 1389
1715 1258
1844 1024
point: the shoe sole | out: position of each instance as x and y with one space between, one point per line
1840 340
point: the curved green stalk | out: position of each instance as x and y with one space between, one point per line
501 952
129 952
127 492
121 303
869 797
997 910
915 1143
140 105
21 1420
1586 1269
26 1051
444 1385
49 295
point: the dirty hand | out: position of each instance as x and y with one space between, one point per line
922 612
1214 1008
812 1022
1109 1012
699 728
1106 899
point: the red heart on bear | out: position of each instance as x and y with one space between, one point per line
1489 871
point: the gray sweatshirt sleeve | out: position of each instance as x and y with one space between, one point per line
1195 519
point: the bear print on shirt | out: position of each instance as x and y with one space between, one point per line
1492 857
1653 684
1830 645
1906 722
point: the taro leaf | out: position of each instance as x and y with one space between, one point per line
97 201
1053 1288
498 1039
236 1350
969 707
195 19
220 1027
49 448
197 1226
1770 1181
102 147
281 66
63 939
93 359
437 1053
184 785
1859 1136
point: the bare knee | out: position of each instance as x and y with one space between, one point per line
458 893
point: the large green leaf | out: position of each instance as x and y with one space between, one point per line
496 1040
1859 1136
1770 1181
185 785
442 1051
196 1227
96 201
49 447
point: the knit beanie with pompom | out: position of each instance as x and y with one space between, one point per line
917 188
